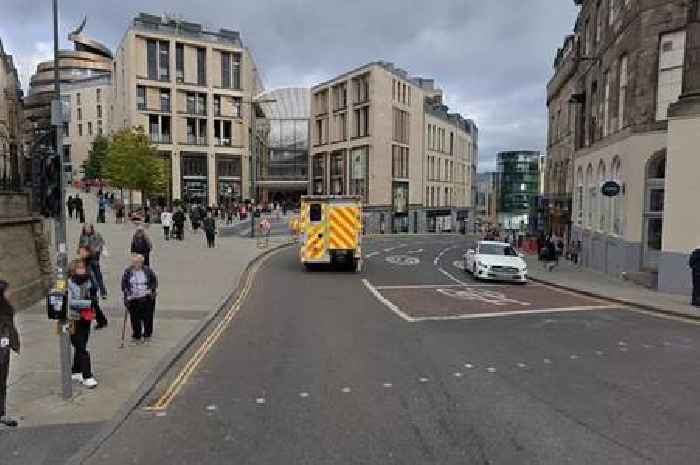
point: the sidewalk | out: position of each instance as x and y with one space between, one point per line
193 282
568 276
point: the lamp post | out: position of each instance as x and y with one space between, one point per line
253 155
61 256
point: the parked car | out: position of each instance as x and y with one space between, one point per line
497 261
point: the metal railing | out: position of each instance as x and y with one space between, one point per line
160 138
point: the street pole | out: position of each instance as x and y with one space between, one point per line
60 236
252 149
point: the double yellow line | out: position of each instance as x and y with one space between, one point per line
186 372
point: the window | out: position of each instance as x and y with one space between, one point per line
236 107
319 174
591 196
164 64
80 130
393 89
98 94
340 97
152 59
618 202
399 161
401 126
670 73
99 111
66 131
579 196
180 62
602 206
361 122
89 128
201 66
622 96
77 99
217 105
606 104
599 24
236 71
337 173
359 163
99 127
452 142
165 101
339 127
80 114
140 98
315 212
225 70
361 88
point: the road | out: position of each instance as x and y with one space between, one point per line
412 362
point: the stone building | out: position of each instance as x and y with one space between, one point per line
10 123
386 136
608 107
192 91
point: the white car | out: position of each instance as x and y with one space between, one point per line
495 261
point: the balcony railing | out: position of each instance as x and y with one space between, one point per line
160 138
194 111
196 140
222 141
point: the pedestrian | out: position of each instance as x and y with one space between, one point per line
195 218
91 262
9 340
179 224
141 244
71 206
79 208
101 209
549 255
83 299
209 227
139 285
147 215
166 220
694 263
95 244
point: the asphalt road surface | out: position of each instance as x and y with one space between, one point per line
413 362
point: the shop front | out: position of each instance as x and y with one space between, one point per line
228 179
195 185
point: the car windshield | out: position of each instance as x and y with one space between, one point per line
497 249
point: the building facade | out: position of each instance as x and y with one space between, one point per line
11 137
486 203
282 173
518 188
192 91
381 134
608 108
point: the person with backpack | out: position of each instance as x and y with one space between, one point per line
209 227
139 285
141 244
9 340
82 293
179 224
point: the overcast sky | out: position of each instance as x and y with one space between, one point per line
492 58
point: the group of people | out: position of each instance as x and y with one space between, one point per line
75 207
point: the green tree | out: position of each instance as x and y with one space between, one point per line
93 167
133 163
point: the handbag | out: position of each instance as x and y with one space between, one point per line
87 314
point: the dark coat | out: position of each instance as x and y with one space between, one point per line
694 261
7 324
140 245
209 225
151 282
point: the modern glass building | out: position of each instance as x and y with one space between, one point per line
518 187
282 168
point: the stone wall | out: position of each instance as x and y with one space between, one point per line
24 250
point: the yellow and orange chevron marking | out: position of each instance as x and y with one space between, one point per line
314 247
344 227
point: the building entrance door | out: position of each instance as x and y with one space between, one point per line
654 211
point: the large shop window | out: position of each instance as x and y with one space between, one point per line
359 180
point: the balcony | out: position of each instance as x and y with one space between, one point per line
196 140
194 111
160 138
222 142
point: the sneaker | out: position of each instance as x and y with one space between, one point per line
77 377
146 339
90 383
8 421
104 296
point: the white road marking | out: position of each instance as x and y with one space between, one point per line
387 303
161 414
459 264
303 394
573 356
260 401
599 353
402 260
441 253
346 390
647 346
415 251
491 370
468 365
371 254
521 365
511 313
458 375
423 380
388 385
434 286
622 343
547 361
478 295
623 349
211 408
449 275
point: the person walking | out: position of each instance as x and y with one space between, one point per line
9 340
166 219
83 299
179 224
209 227
79 208
141 244
147 216
139 285
694 263
91 263
195 218
95 244
71 206
119 207
102 209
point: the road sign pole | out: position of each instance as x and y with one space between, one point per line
60 222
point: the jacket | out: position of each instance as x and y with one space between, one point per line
7 324
82 292
209 225
694 261
151 282
166 219
141 245
179 218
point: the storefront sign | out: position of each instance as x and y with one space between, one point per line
610 188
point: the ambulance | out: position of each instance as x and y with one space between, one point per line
330 229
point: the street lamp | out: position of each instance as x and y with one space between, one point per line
253 149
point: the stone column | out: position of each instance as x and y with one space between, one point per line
682 169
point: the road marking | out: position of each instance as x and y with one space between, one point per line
441 253
211 408
186 372
491 370
371 254
573 356
468 365
388 385
547 361
260 401
513 312
623 349
521 365
458 375
434 286
599 353
485 296
449 275
387 303
303 394
423 380
346 390
403 260
415 251
459 264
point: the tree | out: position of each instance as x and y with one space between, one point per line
93 167
133 163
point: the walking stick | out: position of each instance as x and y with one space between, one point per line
126 312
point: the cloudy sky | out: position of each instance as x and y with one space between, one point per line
492 58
